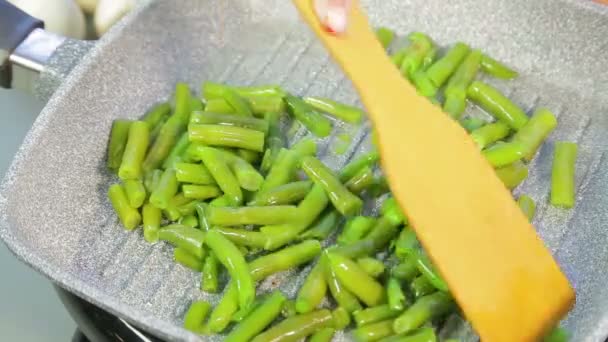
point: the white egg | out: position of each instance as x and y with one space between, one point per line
108 12
63 17
88 6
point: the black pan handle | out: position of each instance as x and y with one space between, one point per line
15 26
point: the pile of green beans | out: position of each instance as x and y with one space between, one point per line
213 177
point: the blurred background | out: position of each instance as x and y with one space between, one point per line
30 309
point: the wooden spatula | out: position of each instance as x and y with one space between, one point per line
497 268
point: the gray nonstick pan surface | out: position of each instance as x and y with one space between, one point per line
54 214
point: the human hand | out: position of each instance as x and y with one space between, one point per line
333 14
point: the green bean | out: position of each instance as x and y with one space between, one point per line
136 192
366 288
503 154
441 70
316 123
454 105
382 233
210 277
371 266
391 210
361 181
172 212
193 173
252 215
260 105
260 91
471 124
243 237
355 229
375 314
424 309
284 259
187 260
259 319
221 201
427 269
324 225
209 118
562 175
230 136
188 209
351 169
420 45
429 58
419 335
407 244
157 114
284 194
385 36
248 177
240 315
341 318
229 256
154 132
223 311
512 175
274 141
196 315
489 134
151 218
313 290
297 327
323 335
398 56
405 271
219 106
374 331
215 90
497 69
340 294
305 147
176 152
532 134
289 309
496 104
221 173
338 110
343 200
201 192
118 141
394 293
464 75
249 156
166 189
188 220
135 151
422 82
187 238
527 205
282 171
129 217
152 179
421 286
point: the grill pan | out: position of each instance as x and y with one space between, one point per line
54 214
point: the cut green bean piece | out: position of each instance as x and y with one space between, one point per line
259 319
252 215
423 310
427 269
394 293
390 210
429 58
166 189
351 169
316 123
210 277
361 181
182 98
374 331
407 245
176 152
424 334
224 310
464 75
274 141
371 266
172 212
405 271
243 237
152 179
343 200
375 314
420 45
284 194
313 290
323 227
221 201
188 220
229 136
249 156
209 118
155 131
215 90
421 286
289 309
341 318
284 259
562 175
240 315
248 177
188 260
471 124
193 173
338 110
261 91
503 154
201 192
187 238
454 105
151 221
136 192
282 171
441 70
195 317
423 84
260 105
497 69
118 141
323 335
219 106
382 233
512 175
496 104
129 217
229 256
157 114
527 205
135 151
356 229
297 327
385 36
489 134
339 293
222 174
535 131
305 147
366 288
